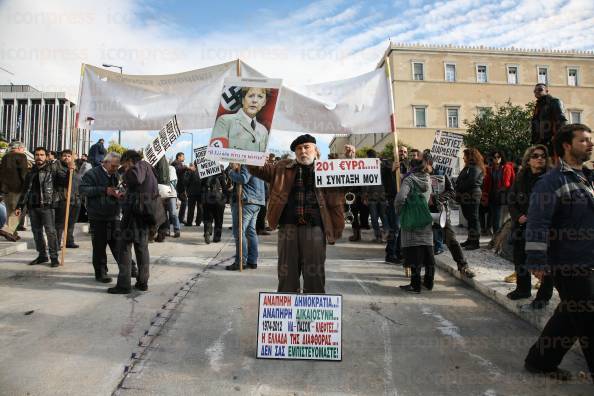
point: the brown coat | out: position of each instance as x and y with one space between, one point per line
281 177
13 170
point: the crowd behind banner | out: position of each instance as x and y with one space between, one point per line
128 203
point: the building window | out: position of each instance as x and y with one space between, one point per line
450 72
572 76
482 111
575 116
420 115
543 75
418 71
481 73
452 114
512 74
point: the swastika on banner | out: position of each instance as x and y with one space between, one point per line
219 142
231 98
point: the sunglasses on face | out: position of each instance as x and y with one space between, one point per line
537 156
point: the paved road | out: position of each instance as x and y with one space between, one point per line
203 338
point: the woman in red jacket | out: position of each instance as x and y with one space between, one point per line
498 180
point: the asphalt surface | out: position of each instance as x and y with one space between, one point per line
194 332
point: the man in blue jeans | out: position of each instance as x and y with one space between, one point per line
252 197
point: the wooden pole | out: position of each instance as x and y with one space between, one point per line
240 202
394 131
68 195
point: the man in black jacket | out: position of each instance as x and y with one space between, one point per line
547 118
142 194
180 187
40 199
194 192
99 186
96 153
215 195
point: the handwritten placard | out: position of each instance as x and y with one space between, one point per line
300 326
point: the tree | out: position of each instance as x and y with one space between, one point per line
362 152
506 129
115 147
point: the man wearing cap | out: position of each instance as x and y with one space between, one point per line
309 217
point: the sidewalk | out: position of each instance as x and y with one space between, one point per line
490 271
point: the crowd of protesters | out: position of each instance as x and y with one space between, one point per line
129 204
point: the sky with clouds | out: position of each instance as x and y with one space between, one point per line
43 43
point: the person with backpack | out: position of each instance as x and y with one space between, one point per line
416 225
215 195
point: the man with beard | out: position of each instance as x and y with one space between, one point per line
559 240
309 217
40 198
547 118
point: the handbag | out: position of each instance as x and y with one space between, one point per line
149 210
415 213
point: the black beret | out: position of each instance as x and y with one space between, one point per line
307 138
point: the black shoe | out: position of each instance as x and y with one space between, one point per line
427 285
472 246
232 267
538 304
207 239
188 224
252 266
72 246
465 243
262 232
103 279
118 290
557 373
393 260
141 286
410 289
518 295
467 272
176 234
216 240
55 263
160 237
39 260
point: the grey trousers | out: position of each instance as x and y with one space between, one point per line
139 238
301 251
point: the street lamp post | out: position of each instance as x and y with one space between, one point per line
121 73
191 152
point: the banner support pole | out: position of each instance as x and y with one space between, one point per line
239 200
67 215
393 119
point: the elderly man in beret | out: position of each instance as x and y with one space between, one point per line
309 217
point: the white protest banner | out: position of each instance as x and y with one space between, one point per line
445 151
205 166
165 139
244 120
348 172
145 102
360 104
200 154
208 168
300 326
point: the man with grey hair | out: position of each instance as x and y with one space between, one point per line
100 188
309 217
13 170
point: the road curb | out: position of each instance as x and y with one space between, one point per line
536 318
